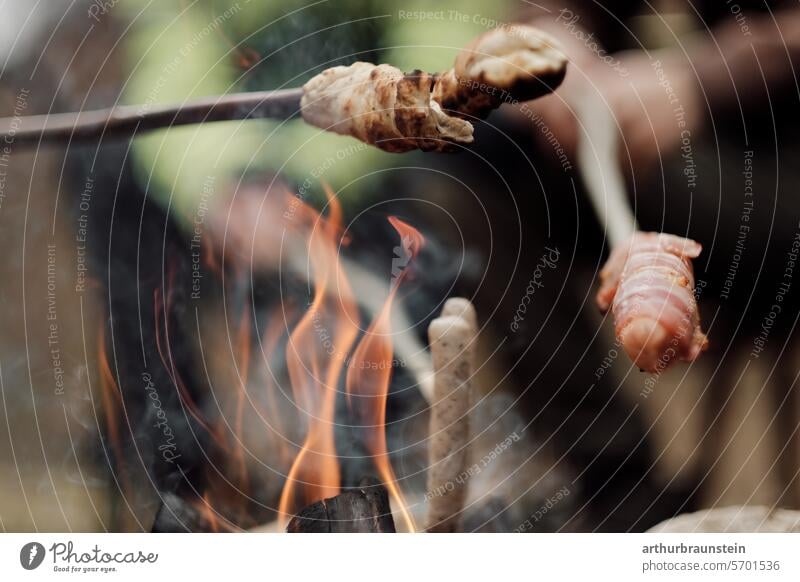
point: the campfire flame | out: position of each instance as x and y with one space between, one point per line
371 370
318 352
323 350
112 408
315 356
268 414
243 348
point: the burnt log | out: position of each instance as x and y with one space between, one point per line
364 509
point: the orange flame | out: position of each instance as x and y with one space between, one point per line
162 311
271 416
112 407
315 356
208 514
371 369
243 348
213 521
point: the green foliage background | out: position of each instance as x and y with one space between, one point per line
180 49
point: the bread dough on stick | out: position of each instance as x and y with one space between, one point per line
398 112
518 63
382 106
452 338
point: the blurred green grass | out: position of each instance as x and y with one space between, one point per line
179 50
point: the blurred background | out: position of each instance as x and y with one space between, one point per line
147 296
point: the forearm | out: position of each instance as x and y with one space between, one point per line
573 21
738 66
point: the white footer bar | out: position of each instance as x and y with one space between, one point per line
400 557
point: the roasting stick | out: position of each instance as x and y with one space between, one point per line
377 104
452 337
648 280
126 120
598 163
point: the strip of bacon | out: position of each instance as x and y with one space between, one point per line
648 282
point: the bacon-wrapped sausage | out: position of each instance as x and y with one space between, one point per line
648 282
